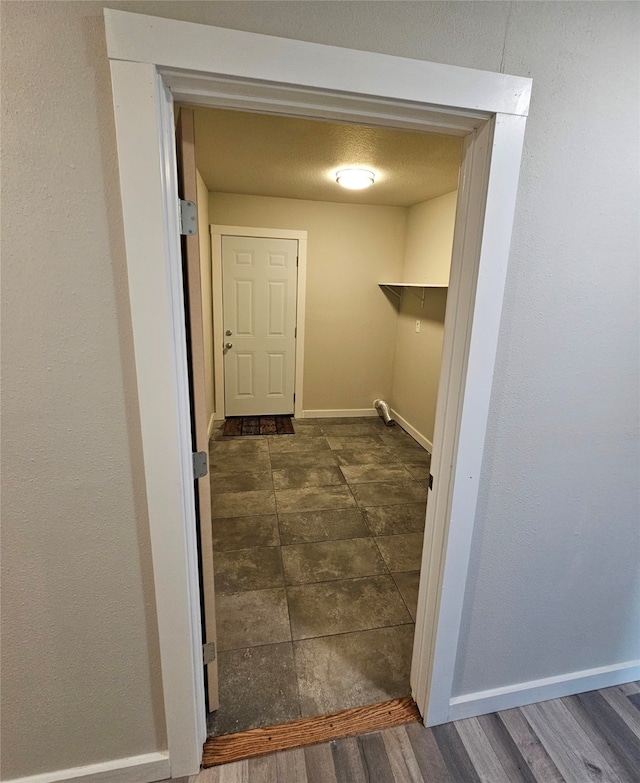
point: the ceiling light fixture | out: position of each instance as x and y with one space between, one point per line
355 179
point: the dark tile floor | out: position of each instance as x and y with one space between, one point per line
317 548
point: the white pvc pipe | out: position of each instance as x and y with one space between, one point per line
383 409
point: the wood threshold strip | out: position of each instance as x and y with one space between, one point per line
309 731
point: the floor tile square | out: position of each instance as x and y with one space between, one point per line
396 437
314 498
408 583
346 605
290 478
310 429
303 459
392 520
252 619
257 688
243 504
357 442
401 553
330 525
367 474
413 456
370 456
241 445
342 420
329 560
354 669
388 493
284 443
222 464
346 430
418 472
245 532
242 482
248 569
377 423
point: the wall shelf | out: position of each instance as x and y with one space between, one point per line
393 288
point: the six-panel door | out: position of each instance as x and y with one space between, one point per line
259 277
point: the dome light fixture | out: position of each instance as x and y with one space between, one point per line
355 179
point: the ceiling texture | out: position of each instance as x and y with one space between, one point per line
287 157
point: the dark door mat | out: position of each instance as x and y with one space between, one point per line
258 425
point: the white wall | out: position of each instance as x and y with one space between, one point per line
553 583
350 324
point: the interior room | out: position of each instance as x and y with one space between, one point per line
99 660
317 535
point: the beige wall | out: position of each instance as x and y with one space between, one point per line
207 304
350 323
427 259
416 366
80 663
80 672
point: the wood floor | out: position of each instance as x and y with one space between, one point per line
590 738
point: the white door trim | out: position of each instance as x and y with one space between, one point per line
217 232
305 79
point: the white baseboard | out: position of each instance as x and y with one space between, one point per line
212 421
134 769
425 442
483 702
345 413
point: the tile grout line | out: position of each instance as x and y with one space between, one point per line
286 598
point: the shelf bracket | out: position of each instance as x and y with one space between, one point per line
392 289
421 298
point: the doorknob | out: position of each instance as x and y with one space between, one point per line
228 332
228 345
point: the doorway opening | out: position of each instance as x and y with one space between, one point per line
156 61
317 538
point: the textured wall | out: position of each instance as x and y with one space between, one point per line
80 667
554 583
350 324
554 567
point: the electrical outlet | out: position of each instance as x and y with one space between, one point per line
417 326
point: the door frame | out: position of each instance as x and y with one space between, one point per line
217 232
155 61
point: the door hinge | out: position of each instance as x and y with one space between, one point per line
297 260
295 332
430 481
188 218
200 468
208 652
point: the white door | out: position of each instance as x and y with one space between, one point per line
259 278
188 187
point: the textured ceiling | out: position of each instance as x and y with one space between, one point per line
265 155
